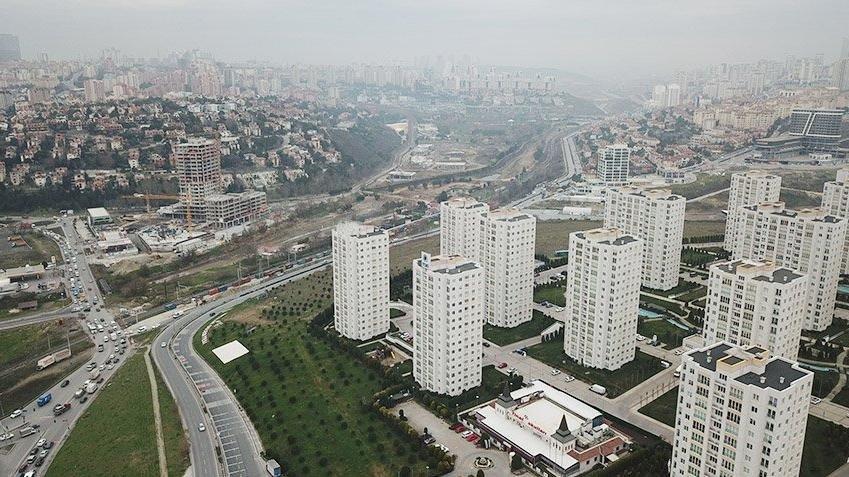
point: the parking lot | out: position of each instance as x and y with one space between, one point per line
419 418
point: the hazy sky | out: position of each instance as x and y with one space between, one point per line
594 37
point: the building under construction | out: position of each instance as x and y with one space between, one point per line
202 196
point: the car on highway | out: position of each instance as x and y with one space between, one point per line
79 393
65 383
201 427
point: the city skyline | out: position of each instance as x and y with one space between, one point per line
582 37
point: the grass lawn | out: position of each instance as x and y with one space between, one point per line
554 235
552 293
661 303
826 447
116 435
693 295
21 348
505 336
46 302
683 286
668 334
617 382
824 382
704 184
663 408
797 199
492 383
302 394
40 249
176 445
401 256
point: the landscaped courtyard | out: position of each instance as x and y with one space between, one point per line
617 382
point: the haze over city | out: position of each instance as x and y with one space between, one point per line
424 239
619 37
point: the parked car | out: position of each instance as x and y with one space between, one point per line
502 365
568 378
815 400
16 413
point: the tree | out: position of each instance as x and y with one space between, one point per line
442 197
405 472
515 462
480 473
401 415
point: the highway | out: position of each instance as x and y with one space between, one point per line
52 428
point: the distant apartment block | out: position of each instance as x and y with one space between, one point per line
360 280
809 241
10 47
740 413
614 164
459 222
747 188
756 303
657 218
448 303
508 239
835 201
602 297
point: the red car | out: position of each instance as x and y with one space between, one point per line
454 426
502 365
472 437
459 428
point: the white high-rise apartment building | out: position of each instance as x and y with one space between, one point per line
360 280
756 303
657 218
613 164
602 297
809 241
835 201
740 413
459 227
658 96
448 303
508 239
748 188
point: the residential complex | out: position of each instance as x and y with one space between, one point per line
740 413
459 221
657 218
835 201
549 429
360 280
448 303
508 239
753 302
747 188
614 164
602 297
809 241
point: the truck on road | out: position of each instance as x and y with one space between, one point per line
60 409
27 431
44 399
91 387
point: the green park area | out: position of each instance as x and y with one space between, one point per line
505 336
553 293
302 392
117 433
667 333
617 382
663 408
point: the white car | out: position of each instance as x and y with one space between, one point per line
162 345
678 352
555 372
815 400
568 378
466 434
16 413
41 442
641 338
201 427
